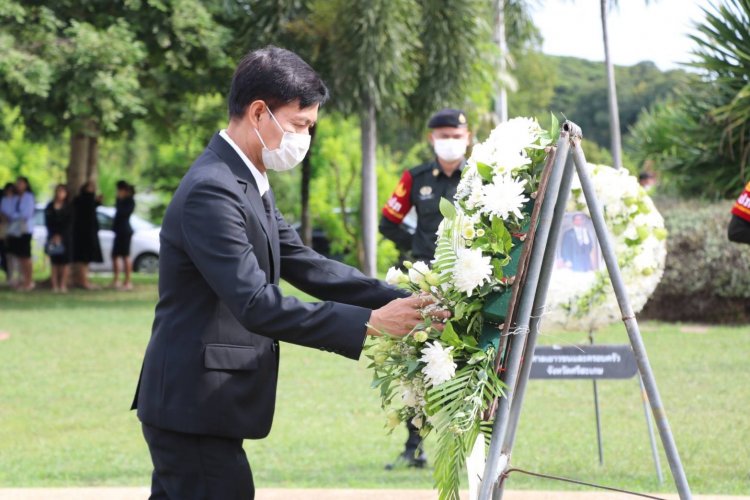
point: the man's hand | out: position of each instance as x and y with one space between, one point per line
400 316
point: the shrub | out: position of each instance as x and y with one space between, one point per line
707 277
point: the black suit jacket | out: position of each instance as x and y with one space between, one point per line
212 361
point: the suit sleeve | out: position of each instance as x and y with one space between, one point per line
328 279
214 236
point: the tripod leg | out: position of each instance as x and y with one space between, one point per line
596 411
651 437
496 462
631 325
538 311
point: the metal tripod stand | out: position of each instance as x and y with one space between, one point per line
568 157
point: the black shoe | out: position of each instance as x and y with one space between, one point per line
408 458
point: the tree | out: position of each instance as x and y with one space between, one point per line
92 68
723 52
614 114
513 14
699 140
387 58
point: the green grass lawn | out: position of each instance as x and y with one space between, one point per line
70 367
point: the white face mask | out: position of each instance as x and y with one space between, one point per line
291 151
450 149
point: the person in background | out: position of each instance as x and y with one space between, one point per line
647 180
58 216
20 228
422 187
739 225
86 248
6 201
578 246
125 205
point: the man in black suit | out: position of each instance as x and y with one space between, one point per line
209 374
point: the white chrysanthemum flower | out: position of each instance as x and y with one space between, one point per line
418 272
475 198
471 269
484 152
503 197
515 134
470 187
509 160
395 276
439 366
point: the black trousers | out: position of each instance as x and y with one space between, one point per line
414 441
188 466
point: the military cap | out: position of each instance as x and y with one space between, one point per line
447 118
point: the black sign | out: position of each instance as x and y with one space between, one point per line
584 362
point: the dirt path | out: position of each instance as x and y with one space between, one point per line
319 494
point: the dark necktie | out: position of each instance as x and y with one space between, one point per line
272 232
266 197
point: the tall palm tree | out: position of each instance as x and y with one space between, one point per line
501 100
614 113
513 27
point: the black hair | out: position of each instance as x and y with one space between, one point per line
123 185
65 188
645 175
28 184
10 186
277 77
85 185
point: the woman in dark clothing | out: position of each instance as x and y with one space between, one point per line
86 248
125 206
58 217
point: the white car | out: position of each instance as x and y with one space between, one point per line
144 247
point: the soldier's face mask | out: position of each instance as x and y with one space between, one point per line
291 151
450 149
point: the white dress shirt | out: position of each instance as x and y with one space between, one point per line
582 235
261 179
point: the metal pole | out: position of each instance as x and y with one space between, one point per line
501 97
651 437
631 325
596 410
538 310
497 462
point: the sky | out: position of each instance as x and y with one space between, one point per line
638 32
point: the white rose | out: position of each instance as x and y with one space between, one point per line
394 276
418 272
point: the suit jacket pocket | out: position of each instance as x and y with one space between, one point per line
230 357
